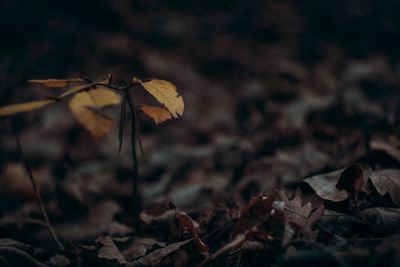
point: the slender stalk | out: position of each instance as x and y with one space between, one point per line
136 207
36 190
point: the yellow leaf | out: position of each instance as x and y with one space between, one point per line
23 107
159 115
98 125
74 90
165 92
56 82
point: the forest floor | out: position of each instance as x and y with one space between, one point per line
287 154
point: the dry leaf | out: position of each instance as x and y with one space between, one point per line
159 115
56 82
299 217
155 257
185 220
387 181
165 92
387 147
74 90
19 108
255 213
97 124
109 250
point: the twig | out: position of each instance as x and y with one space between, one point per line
135 161
36 189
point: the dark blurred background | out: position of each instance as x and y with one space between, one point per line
306 83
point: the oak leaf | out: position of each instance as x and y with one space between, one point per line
98 125
23 107
159 115
300 217
57 82
165 92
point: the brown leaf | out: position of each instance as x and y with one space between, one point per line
255 213
97 124
165 92
324 186
155 257
387 181
109 250
23 107
300 217
56 82
387 147
159 115
140 247
185 220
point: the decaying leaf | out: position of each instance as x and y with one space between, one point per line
159 115
97 124
299 217
185 220
155 257
140 247
338 185
23 107
387 181
57 82
255 213
109 250
165 92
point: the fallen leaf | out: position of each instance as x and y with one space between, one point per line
23 107
155 257
383 221
300 217
56 82
159 115
386 147
387 181
185 220
140 247
165 92
98 125
255 213
109 250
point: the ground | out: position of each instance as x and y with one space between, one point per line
287 153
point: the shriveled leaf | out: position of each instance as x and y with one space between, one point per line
109 250
155 257
255 213
97 124
300 217
57 82
74 90
159 115
165 92
185 220
23 107
387 181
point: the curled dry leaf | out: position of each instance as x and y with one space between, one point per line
255 213
57 82
159 115
165 92
23 107
109 250
336 186
300 217
186 221
97 124
387 181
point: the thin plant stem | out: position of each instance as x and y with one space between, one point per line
36 190
136 207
